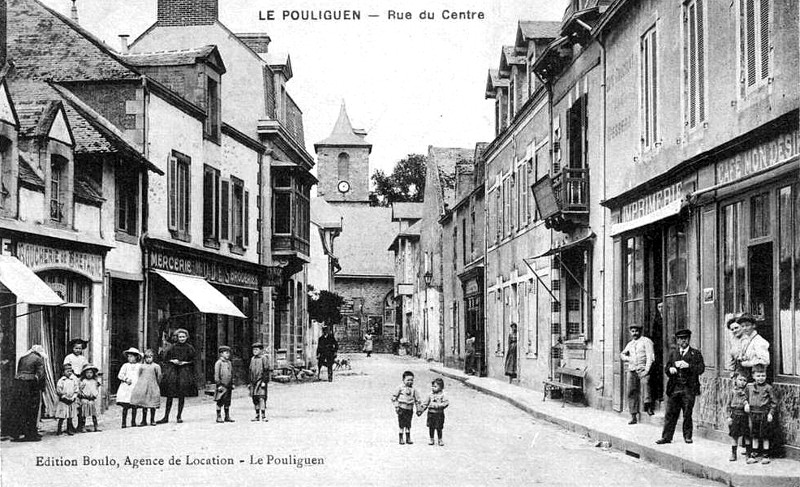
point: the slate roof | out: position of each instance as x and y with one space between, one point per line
343 133
511 56
536 29
28 175
45 45
407 211
325 215
443 161
493 81
180 57
412 233
367 232
92 132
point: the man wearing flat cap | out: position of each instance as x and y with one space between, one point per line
683 368
640 357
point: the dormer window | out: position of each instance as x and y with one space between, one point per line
213 109
511 98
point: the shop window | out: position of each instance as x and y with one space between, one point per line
58 189
754 45
211 206
759 216
213 110
649 88
789 279
734 258
179 195
127 200
675 298
575 295
694 62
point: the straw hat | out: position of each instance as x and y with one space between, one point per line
132 350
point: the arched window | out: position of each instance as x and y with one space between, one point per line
344 167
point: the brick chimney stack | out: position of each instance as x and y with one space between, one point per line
177 13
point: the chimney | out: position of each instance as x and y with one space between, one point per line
123 43
177 13
255 41
74 12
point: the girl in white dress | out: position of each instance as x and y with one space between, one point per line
128 375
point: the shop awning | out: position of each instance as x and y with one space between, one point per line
666 211
577 243
26 285
202 294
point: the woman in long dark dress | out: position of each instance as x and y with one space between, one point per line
511 354
28 382
179 381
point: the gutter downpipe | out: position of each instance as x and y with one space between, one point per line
602 386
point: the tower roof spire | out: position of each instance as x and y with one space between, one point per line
343 133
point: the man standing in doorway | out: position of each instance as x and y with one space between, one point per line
640 357
684 367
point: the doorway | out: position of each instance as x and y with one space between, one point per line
760 271
124 326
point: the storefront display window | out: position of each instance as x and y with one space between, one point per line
734 258
789 279
633 282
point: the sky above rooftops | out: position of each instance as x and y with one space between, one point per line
409 83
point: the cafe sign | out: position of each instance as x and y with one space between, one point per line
213 271
39 257
758 158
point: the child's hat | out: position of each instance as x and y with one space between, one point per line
258 345
89 367
223 348
132 350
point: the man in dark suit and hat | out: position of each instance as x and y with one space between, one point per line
327 346
683 368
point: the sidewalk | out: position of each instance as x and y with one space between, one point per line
704 458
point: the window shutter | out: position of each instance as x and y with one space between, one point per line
692 29
701 63
750 27
764 18
173 193
225 211
245 224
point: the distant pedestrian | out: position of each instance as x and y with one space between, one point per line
469 359
147 392
88 392
128 376
327 347
511 354
259 380
368 344
639 355
77 360
435 403
67 390
179 380
28 384
683 367
405 399
738 421
760 407
223 379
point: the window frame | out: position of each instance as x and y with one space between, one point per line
211 223
649 86
695 64
179 183
127 196
213 123
762 70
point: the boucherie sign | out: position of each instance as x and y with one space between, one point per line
762 156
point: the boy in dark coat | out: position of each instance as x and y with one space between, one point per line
259 378
683 367
223 378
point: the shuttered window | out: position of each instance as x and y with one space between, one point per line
754 32
694 63
179 193
649 80
225 210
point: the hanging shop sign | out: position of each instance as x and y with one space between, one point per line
40 257
760 157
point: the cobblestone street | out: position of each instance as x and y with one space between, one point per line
349 426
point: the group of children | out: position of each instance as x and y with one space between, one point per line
77 390
406 398
752 415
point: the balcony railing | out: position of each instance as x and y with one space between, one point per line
289 243
571 187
